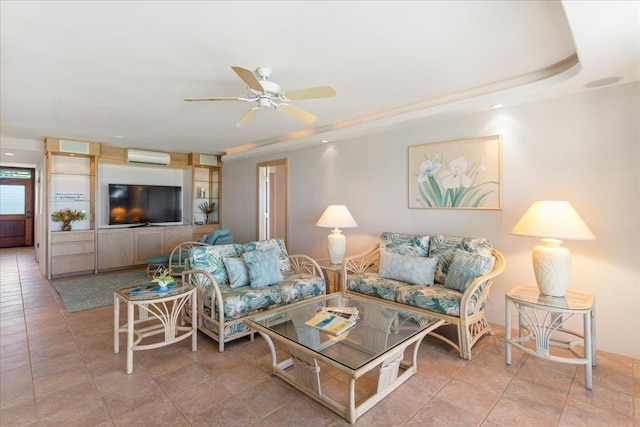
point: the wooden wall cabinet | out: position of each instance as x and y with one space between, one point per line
71 184
72 252
206 187
115 249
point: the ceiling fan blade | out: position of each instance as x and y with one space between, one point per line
217 98
297 113
310 93
249 78
248 116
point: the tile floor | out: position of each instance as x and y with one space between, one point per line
58 369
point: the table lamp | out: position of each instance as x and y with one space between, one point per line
554 221
335 216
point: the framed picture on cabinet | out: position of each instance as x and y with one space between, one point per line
457 174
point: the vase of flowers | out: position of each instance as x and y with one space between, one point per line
67 216
207 208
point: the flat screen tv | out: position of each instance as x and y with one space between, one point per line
144 204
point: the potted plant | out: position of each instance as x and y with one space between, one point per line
207 208
67 216
162 277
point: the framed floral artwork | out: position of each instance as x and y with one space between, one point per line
458 174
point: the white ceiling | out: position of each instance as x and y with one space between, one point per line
102 70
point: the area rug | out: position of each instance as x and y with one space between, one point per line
95 290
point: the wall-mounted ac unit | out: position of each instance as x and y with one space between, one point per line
148 157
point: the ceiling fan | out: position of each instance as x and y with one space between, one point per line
268 94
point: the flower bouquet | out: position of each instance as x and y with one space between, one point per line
207 208
67 216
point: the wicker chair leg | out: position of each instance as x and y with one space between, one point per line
464 341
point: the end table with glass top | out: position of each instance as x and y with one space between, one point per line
159 314
542 318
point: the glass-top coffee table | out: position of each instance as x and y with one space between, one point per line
378 340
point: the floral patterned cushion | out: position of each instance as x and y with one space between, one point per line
210 258
374 285
275 244
465 268
444 248
242 301
299 286
415 270
434 298
405 244
237 271
263 268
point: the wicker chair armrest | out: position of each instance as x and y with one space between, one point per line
368 261
181 250
199 278
305 264
478 292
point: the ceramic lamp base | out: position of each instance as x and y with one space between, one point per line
552 267
337 245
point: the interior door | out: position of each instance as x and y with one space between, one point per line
272 199
16 207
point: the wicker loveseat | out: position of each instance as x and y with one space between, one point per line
443 276
227 296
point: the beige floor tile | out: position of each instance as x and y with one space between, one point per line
160 412
194 398
61 400
232 412
439 412
509 413
20 414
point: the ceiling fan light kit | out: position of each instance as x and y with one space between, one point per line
269 94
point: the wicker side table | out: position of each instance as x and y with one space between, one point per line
541 316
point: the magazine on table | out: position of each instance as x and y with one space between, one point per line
334 320
152 289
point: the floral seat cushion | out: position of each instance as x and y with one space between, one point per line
434 298
243 301
374 285
299 286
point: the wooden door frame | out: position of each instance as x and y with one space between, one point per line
279 162
29 201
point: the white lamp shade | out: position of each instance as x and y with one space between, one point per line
553 221
336 216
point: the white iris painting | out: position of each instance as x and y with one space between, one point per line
460 174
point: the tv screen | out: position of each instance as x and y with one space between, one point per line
142 204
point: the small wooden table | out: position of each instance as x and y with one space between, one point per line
163 312
541 316
333 274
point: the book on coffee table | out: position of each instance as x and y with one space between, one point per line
334 320
152 289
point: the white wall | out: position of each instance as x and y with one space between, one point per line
584 148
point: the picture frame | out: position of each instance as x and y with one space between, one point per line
456 174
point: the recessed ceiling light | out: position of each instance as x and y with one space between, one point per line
498 105
8 154
603 82
324 141
119 136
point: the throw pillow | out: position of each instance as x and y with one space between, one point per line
237 271
465 268
444 247
405 244
210 258
267 245
263 268
408 269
